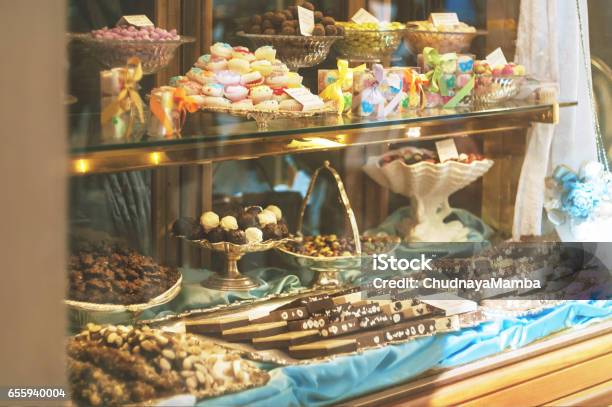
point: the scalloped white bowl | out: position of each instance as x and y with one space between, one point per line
428 185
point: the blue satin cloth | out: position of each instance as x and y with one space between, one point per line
327 383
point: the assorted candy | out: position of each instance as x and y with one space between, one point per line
244 225
460 27
285 22
413 156
131 33
236 78
509 69
334 246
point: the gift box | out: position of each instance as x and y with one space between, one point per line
121 106
450 78
378 92
336 85
169 106
412 82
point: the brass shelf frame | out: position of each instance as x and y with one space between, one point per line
311 140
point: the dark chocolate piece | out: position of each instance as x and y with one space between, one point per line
323 348
235 236
216 324
247 220
407 330
289 314
215 235
309 323
251 331
188 227
378 320
340 328
272 232
286 339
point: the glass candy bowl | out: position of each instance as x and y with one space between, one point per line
369 45
489 89
154 55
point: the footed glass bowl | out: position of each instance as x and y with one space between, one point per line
296 51
369 45
442 41
489 89
154 55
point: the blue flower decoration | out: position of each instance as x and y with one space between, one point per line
580 199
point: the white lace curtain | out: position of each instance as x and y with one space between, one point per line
548 44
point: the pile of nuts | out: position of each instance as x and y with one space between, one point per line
410 157
170 363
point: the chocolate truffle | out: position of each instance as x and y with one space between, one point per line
318 16
265 24
284 230
293 10
187 227
215 235
288 14
331 30
318 30
308 5
266 217
256 19
340 30
269 31
253 235
235 236
255 210
278 18
268 15
209 220
272 231
287 30
276 211
229 223
246 220
328 21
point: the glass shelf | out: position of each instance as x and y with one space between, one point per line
211 137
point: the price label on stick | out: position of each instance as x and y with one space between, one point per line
496 58
137 20
446 150
363 16
443 19
307 99
306 20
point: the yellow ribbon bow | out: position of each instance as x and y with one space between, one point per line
180 103
334 91
416 85
128 98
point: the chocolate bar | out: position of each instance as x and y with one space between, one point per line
379 320
408 308
289 314
340 328
215 324
323 348
367 339
410 329
308 323
248 332
286 339
313 304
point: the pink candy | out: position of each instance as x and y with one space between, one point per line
131 33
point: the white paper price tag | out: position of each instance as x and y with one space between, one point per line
363 16
306 20
138 20
446 150
441 19
496 57
307 99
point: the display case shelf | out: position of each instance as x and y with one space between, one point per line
211 138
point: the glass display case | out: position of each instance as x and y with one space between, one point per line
258 190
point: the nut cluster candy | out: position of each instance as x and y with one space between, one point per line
286 22
135 364
131 33
333 246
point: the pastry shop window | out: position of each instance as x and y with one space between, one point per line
248 203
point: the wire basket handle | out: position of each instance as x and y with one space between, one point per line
343 198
